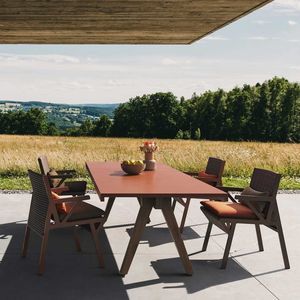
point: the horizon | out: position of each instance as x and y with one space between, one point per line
118 103
258 47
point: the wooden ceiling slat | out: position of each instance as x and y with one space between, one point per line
115 21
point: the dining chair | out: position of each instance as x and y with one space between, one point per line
50 211
57 179
212 175
256 205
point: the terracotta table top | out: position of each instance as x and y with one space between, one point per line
111 181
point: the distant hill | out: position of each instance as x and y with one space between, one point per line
63 115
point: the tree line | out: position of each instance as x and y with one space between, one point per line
264 112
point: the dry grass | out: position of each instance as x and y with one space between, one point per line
19 153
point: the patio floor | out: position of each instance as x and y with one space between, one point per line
156 271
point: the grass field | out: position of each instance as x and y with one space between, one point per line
19 153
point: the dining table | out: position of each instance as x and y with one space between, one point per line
154 190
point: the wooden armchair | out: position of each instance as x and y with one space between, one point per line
57 179
49 211
256 205
212 175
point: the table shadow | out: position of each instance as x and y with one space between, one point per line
207 273
156 236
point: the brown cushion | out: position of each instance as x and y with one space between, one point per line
229 209
248 191
61 207
82 211
251 192
54 182
206 175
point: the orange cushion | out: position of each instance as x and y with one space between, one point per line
61 207
207 177
229 209
81 211
202 174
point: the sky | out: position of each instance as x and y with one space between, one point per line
255 48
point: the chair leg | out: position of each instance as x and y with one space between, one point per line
259 239
207 236
283 246
76 239
186 208
26 241
43 253
97 246
228 245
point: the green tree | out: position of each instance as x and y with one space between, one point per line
102 126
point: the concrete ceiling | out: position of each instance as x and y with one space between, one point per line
115 21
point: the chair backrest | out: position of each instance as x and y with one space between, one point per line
265 181
268 182
215 166
40 202
43 164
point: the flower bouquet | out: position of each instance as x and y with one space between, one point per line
149 147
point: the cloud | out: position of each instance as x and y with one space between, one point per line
262 38
257 38
261 22
49 58
288 5
173 62
292 23
293 41
215 38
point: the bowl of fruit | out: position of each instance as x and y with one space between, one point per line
133 167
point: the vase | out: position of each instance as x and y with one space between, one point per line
149 161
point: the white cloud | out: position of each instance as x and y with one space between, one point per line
289 5
215 38
292 23
51 58
294 41
258 38
261 22
173 62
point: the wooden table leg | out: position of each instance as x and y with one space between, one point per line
168 213
108 207
140 223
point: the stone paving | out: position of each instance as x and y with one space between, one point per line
156 271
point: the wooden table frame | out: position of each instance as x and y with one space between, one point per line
153 196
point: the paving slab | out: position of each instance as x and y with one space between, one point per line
156 271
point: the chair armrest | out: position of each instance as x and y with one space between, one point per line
230 189
72 199
251 198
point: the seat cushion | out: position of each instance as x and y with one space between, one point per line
248 191
229 209
251 192
206 176
60 206
82 211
